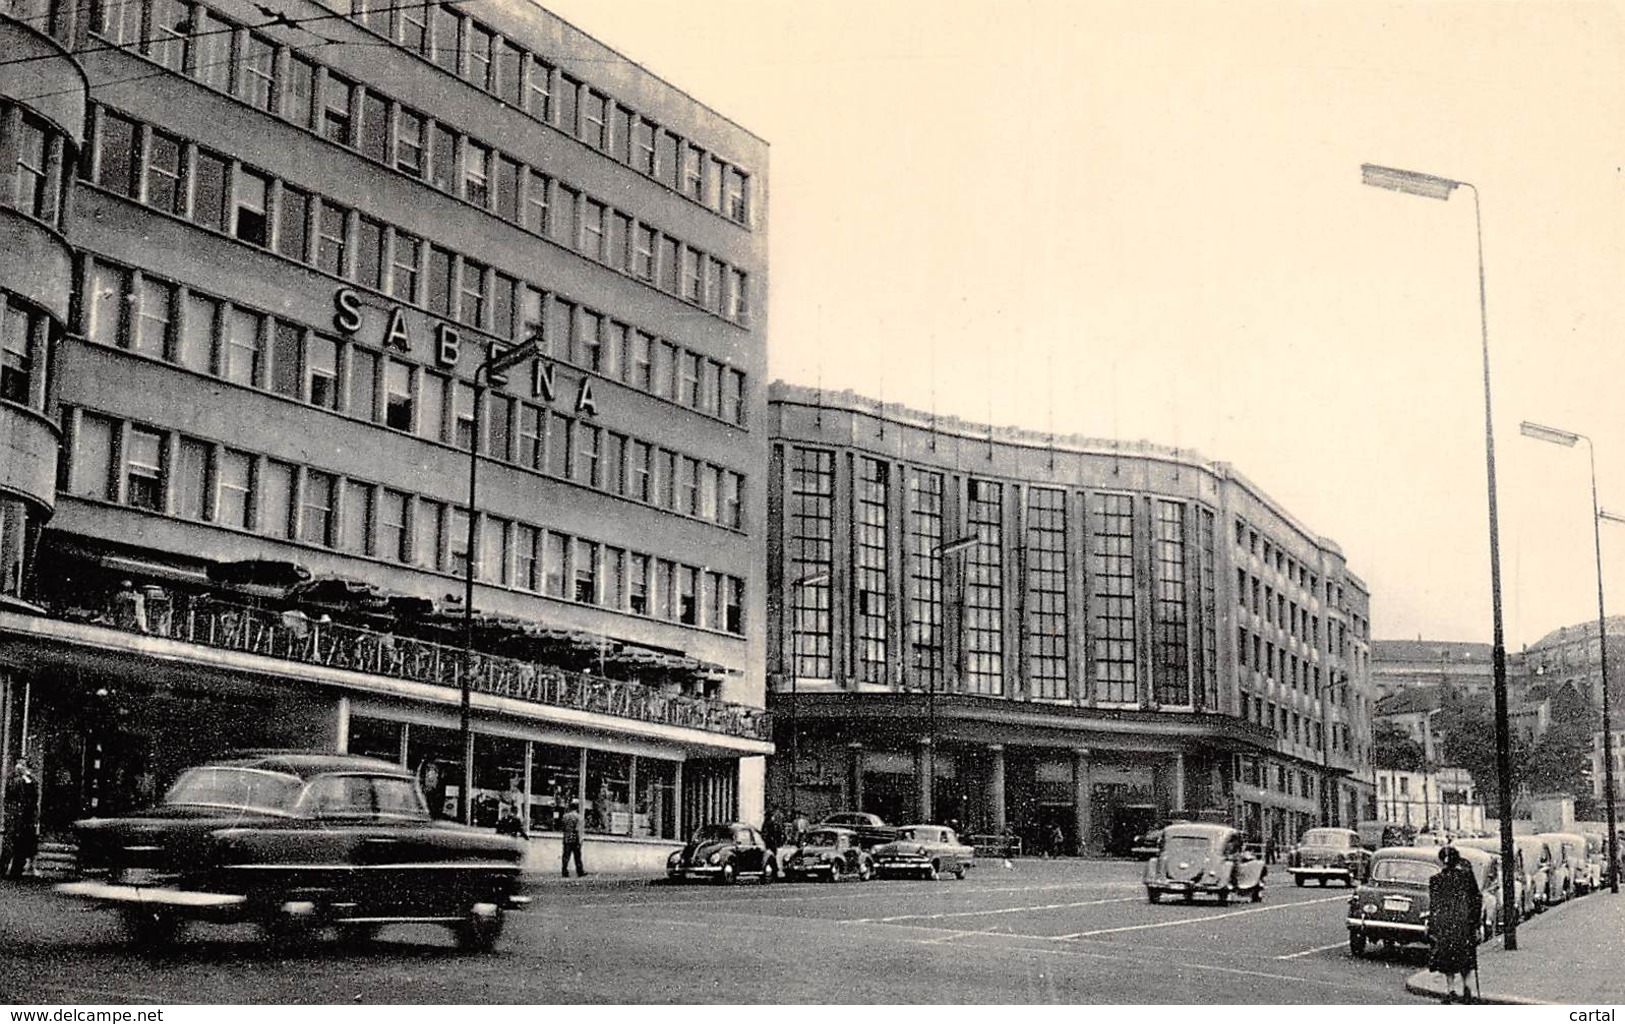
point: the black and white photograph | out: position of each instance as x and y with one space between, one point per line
756 503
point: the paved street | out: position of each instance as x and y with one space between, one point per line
1062 931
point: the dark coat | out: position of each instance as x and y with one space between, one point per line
22 817
1455 910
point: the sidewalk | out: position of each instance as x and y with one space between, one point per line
1569 954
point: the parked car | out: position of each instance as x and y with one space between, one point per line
1520 879
1534 863
1392 904
724 854
831 854
1596 860
296 841
1559 878
1327 853
1203 859
869 829
1575 856
1147 843
929 850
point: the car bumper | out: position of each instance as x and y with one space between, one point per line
903 864
1198 887
695 871
793 870
1403 931
1320 871
201 903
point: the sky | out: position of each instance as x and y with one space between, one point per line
1146 221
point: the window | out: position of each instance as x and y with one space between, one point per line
584 572
144 470
116 153
502 291
553 564
411 26
643 147
442 158
438 298
587 350
352 525
316 508
405 261
398 396
369 253
374 143
736 306
508 74
409 142
292 215
211 42
526 575
536 204
592 228
108 296
462 414
498 420
93 458
693 285
321 372
154 313
558 446
249 192
613 462
286 342
564 216
243 347
530 451
735 196
689 500
332 238
477 174
1170 662
640 457
1046 587
812 529
444 22
1112 597
693 181
195 346
733 492
209 191
298 91
688 598
925 537
565 97
166 42
256 62
637 583
431 406
363 384
471 292
872 567
669 264
984 589
164 191
643 252
594 120
392 525
620 241
118 21
337 93
478 43
427 533
538 83
586 462
733 396
506 189
234 472
18 328
688 380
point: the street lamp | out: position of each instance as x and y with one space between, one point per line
787 658
1568 439
1431 186
953 547
500 360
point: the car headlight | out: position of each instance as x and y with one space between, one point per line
1369 908
716 858
675 859
920 852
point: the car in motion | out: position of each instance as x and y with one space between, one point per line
1208 860
1392 904
296 841
1328 853
724 854
927 850
830 854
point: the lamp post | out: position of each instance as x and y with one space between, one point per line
953 547
1430 186
498 361
1568 439
787 660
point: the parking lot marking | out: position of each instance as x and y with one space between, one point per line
1199 920
1311 952
986 913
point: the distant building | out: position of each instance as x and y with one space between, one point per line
1441 800
1414 712
1400 666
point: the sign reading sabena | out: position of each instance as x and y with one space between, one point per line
351 317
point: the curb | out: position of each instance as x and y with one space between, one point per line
1423 983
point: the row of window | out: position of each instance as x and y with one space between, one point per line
173 474
39 179
1258 597
480 55
180 178
133 310
1277 663
360 118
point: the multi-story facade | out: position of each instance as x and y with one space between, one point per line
1008 630
256 258
1571 656
1399 666
1441 800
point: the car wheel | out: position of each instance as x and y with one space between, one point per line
150 929
959 873
482 927
1258 893
1190 897
770 873
835 871
1348 883
1224 897
1152 896
1356 943
1298 880
359 934
729 874
933 872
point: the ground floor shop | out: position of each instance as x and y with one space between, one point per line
108 719
1059 781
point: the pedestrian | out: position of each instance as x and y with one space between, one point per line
22 819
801 826
1057 841
571 826
1455 910
129 608
773 829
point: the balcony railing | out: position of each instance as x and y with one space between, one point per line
295 637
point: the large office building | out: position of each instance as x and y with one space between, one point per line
1059 637
256 257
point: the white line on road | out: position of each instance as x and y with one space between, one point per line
1198 920
989 913
1310 952
852 890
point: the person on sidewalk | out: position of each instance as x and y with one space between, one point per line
1455 909
571 825
22 819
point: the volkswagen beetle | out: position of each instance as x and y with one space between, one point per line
724 854
1199 859
831 854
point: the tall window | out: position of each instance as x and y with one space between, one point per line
812 524
409 129
144 470
316 508
243 351
249 223
1046 592
925 578
392 535
1111 557
256 64
293 209
234 471
18 327
984 590
869 528
336 96
153 320
191 479
1209 649
331 238
164 190
1171 664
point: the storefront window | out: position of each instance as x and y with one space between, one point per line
372 737
656 811
555 778
608 807
434 756
499 778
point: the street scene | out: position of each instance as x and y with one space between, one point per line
746 502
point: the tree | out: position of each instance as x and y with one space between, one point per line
1467 730
1394 750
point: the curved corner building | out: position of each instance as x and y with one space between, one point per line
1065 638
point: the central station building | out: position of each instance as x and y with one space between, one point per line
1065 638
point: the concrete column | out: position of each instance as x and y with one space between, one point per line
995 785
924 783
854 775
1177 789
1082 789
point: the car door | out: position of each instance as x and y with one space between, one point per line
748 848
348 853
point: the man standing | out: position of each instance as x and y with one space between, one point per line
22 819
571 825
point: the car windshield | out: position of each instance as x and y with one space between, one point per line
1184 846
921 835
821 837
1326 837
1403 869
245 789
714 834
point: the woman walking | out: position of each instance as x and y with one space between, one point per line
1455 908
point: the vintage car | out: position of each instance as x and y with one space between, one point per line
1596 860
1326 853
831 854
869 829
1203 859
928 850
1576 856
1392 904
1146 844
724 854
296 841
1520 879
1559 877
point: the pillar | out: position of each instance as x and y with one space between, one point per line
1177 789
924 781
1082 790
854 775
995 786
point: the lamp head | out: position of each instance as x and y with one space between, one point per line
1551 435
1415 183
